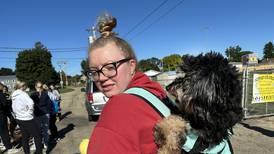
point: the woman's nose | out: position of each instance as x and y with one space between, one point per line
102 77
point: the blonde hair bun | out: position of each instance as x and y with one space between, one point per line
105 24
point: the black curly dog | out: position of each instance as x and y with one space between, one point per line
208 96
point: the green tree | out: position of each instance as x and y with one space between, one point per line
171 62
35 65
147 64
156 62
6 71
75 79
268 51
84 66
233 53
246 52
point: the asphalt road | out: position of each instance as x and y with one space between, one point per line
254 136
75 125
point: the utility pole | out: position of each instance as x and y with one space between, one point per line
92 35
162 65
60 72
65 68
62 65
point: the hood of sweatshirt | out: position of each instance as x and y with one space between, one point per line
142 80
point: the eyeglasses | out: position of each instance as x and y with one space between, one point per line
108 70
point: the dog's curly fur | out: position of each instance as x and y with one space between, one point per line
209 98
169 133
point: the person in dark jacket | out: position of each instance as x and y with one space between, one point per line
42 105
53 112
4 132
8 109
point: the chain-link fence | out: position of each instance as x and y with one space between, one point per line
255 109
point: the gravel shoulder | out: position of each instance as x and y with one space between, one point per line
254 136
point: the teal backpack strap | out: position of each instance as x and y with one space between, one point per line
154 101
164 111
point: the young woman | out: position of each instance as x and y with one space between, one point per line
53 112
58 96
126 122
42 106
22 106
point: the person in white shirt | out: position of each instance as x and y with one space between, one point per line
23 106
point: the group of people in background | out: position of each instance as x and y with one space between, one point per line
35 114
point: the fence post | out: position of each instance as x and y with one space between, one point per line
266 107
244 90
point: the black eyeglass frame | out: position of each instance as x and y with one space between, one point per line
116 64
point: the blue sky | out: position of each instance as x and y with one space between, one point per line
177 27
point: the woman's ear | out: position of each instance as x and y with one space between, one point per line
133 65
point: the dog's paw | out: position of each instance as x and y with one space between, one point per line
170 134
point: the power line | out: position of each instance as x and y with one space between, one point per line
158 19
10 51
71 58
80 58
79 48
16 48
6 58
145 18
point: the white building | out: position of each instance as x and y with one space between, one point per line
9 81
164 78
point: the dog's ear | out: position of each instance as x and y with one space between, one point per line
170 134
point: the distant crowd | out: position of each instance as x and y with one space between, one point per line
29 118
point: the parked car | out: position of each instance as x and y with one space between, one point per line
95 100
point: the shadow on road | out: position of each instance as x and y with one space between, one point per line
266 132
61 133
63 116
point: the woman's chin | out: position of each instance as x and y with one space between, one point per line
110 93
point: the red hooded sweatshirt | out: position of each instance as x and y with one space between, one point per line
126 123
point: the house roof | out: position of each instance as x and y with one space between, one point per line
152 73
171 72
8 77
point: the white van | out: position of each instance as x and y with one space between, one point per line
95 100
